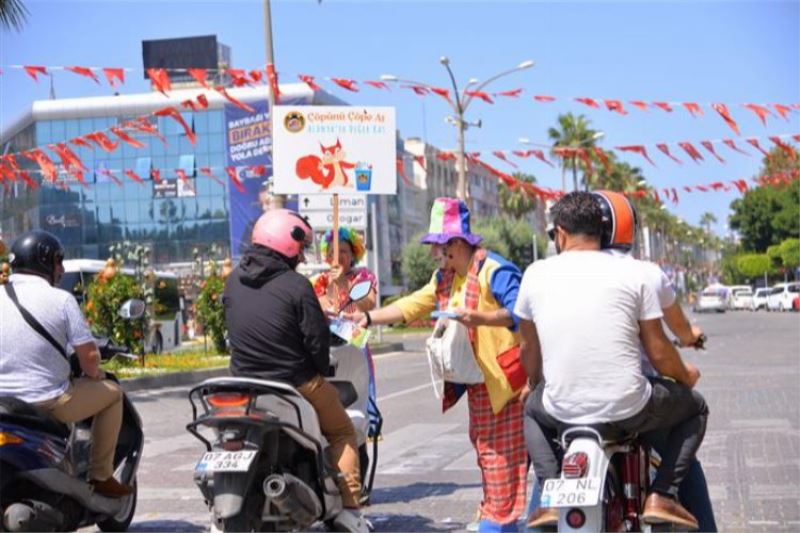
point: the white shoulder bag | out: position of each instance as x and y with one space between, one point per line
450 356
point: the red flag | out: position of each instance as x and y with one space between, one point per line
418 89
80 141
603 158
272 76
113 75
102 140
641 105
190 104
309 80
202 100
377 84
175 114
521 153
732 146
258 170
71 162
33 70
796 137
111 176
717 185
444 93
692 151
638 149
134 176
402 171
182 175
145 126
350 85
480 94
206 171
235 179
674 196
656 196
538 154
445 156
83 71
615 105
544 98
782 110
741 185
783 146
693 109
588 101
502 156
160 80
421 160
759 110
701 188
155 174
663 105
754 142
710 147
119 132
221 90
200 75
30 182
587 161
687 188
514 93
665 149
722 109
256 76
238 76
564 151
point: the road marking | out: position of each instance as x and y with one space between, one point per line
467 461
403 392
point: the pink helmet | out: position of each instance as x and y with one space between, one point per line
283 231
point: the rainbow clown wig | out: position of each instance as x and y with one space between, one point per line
348 235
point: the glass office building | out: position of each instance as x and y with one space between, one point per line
171 215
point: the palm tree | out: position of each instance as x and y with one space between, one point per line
516 202
706 219
573 132
12 14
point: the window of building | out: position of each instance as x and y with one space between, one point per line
187 164
143 166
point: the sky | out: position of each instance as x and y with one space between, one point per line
683 51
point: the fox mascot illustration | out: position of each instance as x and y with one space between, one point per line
328 171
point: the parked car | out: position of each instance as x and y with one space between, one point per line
713 298
782 295
740 297
796 304
759 300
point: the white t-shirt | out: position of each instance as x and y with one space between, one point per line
587 306
30 367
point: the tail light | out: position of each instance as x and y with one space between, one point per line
576 518
575 465
9 438
229 403
233 445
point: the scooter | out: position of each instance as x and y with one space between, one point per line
44 463
266 466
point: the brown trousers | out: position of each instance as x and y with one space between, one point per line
338 429
102 400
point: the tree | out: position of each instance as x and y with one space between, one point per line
516 202
12 14
210 310
754 265
572 132
790 254
706 220
417 266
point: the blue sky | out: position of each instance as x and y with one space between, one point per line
726 51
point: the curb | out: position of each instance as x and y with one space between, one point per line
176 379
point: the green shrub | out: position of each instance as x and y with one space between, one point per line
210 311
104 296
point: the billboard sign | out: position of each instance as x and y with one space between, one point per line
335 149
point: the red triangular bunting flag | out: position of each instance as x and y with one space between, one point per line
221 90
160 80
155 174
760 111
710 147
119 132
788 150
638 103
732 146
445 156
544 98
480 94
603 158
272 76
665 149
754 142
134 176
238 77
175 114
350 85
663 105
538 154
33 70
420 159
256 76
502 156
309 80
588 101
110 175
206 171
693 108
444 93
145 126
200 75
378 84
741 185
235 179
113 75
79 141
615 105
84 71
692 151
782 110
402 171
722 109
419 90
182 175
102 140
637 148
514 93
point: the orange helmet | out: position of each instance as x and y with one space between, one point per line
619 220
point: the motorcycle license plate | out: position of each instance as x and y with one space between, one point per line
226 461
578 492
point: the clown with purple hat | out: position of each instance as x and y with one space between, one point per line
480 288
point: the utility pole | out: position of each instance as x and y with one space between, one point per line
278 200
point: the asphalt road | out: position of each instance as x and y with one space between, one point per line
428 479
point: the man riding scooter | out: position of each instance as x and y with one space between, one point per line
278 331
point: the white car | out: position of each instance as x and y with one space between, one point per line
781 296
759 300
713 298
741 297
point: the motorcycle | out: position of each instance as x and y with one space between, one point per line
44 464
605 477
266 466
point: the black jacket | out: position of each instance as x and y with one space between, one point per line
276 326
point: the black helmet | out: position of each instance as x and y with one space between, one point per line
37 252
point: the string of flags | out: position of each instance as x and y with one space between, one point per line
161 81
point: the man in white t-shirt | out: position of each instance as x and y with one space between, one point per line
33 370
583 315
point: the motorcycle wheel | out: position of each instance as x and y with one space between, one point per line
122 520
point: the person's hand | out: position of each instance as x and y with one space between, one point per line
693 374
358 317
468 317
696 334
525 392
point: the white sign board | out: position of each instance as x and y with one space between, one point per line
322 220
317 202
334 149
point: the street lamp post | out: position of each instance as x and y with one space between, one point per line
460 104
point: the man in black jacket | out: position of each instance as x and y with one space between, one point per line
278 331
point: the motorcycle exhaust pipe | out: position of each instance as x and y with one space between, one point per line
283 495
36 516
275 487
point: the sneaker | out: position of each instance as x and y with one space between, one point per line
543 517
351 520
475 525
111 488
661 509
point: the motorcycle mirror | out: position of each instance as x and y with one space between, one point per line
360 290
131 309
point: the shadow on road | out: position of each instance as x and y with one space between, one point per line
411 522
166 525
416 491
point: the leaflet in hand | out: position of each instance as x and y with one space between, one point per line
350 331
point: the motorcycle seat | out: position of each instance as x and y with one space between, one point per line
15 411
609 433
347 392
